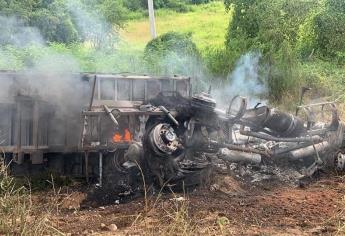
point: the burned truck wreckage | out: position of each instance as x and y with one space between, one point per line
136 128
178 147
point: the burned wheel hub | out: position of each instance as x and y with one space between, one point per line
340 161
163 139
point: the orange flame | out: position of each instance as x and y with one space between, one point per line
127 137
117 137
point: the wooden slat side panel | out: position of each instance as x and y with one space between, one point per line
5 124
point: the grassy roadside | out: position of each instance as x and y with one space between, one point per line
18 214
207 23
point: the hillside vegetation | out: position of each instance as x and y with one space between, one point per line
207 23
298 43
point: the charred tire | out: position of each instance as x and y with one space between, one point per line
113 172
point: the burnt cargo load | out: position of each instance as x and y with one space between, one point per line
131 127
38 134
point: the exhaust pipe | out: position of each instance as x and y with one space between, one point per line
308 151
238 156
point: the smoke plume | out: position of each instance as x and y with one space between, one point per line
92 26
14 32
49 76
247 80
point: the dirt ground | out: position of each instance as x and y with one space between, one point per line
228 207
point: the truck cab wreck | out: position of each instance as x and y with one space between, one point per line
153 130
174 137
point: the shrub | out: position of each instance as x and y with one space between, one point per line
272 28
218 61
177 5
283 72
114 11
54 28
330 31
171 42
135 5
172 53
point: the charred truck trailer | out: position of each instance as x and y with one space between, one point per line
135 127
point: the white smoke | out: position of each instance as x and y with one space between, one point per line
51 75
247 80
14 32
55 79
47 73
92 26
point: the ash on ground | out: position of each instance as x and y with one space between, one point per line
258 175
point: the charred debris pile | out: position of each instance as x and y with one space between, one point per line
193 135
185 140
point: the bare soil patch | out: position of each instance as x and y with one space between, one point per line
230 207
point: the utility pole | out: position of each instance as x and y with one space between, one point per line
152 19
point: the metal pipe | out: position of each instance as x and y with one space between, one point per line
277 139
318 131
246 149
317 104
237 156
308 151
171 117
289 149
112 117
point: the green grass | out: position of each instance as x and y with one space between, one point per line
207 23
74 58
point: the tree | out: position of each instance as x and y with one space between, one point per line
329 27
49 16
270 27
56 19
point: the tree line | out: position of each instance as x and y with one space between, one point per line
287 33
57 21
